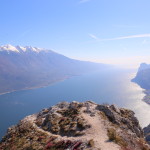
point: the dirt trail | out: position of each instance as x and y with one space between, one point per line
98 133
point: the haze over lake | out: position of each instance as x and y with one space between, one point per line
111 86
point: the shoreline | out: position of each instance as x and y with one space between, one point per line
146 98
42 86
36 87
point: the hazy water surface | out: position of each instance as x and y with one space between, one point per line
111 86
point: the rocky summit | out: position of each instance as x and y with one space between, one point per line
77 126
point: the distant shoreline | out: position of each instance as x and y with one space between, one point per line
146 98
36 87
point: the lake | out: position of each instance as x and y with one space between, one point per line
111 86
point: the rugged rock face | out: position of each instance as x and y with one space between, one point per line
77 126
143 76
147 133
122 117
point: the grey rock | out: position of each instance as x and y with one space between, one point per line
122 117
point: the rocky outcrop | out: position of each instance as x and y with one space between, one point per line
77 126
64 119
142 77
123 117
147 133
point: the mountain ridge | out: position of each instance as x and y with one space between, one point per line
77 126
30 67
19 49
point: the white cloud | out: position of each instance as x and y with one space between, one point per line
121 38
84 1
94 37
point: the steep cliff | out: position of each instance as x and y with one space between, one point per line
143 76
77 126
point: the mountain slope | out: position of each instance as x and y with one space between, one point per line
30 67
143 76
77 126
147 133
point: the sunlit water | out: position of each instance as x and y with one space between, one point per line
111 86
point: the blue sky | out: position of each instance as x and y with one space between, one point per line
108 31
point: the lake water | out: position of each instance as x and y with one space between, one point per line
109 86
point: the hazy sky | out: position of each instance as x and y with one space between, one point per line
109 31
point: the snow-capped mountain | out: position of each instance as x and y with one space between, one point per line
30 67
19 49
